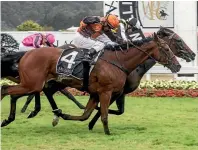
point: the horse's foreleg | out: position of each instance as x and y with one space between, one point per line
120 101
37 106
11 117
92 103
57 112
120 106
29 99
71 97
105 98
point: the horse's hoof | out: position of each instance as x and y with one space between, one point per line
23 110
55 121
107 132
32 114
4 123
90 126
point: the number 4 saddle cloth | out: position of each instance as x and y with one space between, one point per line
70 63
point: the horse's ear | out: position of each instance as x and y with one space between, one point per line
161 28
156 38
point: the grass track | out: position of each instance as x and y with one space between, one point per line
147 124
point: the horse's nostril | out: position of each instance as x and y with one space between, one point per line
178 67
193 54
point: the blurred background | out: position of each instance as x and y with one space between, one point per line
62 19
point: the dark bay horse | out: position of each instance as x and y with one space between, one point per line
179 48
175 42
38 66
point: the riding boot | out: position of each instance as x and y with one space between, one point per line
86 68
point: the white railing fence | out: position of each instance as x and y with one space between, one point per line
63 37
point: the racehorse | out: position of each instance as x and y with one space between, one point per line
49 91
179 48
9 47
177 45
38 66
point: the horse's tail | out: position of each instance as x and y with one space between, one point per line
9 63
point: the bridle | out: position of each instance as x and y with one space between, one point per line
120 66
171 37
165 64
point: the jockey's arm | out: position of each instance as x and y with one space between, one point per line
37 41
122 32
111 36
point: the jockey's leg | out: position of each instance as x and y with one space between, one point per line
93 44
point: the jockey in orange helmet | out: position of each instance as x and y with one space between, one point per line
95 32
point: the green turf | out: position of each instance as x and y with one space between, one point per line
147 124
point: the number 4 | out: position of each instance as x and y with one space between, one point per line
71 60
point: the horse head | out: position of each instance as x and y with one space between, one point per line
177 44
165 56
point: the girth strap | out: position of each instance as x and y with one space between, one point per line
117 65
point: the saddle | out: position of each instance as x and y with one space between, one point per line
75 62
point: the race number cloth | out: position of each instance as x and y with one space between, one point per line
70 63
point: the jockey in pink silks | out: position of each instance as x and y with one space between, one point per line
36 41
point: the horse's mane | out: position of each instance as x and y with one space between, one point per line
163 31
125 46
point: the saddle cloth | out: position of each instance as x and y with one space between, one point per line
70 63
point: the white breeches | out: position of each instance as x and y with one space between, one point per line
88 43
25 48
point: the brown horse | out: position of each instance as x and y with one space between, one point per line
178 47
9 70
38 66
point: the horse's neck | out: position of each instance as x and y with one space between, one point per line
135 57
145 66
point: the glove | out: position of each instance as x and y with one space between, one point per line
119 40
92 52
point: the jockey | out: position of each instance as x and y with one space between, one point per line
36 41
95 32
133 24
126 27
